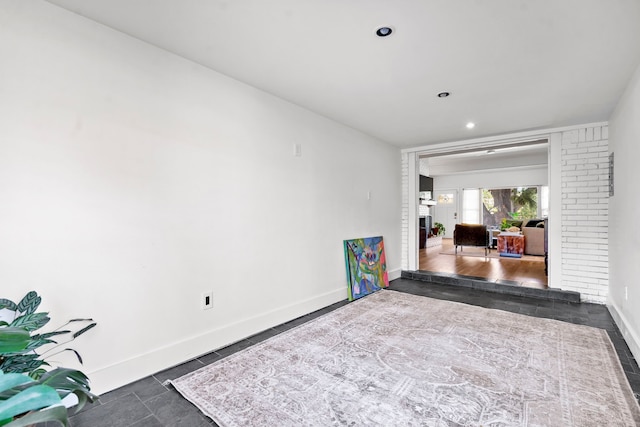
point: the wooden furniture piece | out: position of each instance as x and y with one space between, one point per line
511 244
471 235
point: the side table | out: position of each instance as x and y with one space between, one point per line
511 244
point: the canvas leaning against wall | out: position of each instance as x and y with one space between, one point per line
366 266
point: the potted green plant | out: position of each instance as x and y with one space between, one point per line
439 229
29 392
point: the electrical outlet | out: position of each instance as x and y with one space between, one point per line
207 300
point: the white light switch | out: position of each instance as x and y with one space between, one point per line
297 150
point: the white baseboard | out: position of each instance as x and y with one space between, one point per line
394 274
629 334
135 368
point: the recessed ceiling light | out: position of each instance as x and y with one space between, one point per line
471 125
384 31
443 94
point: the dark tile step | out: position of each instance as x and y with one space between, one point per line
508 287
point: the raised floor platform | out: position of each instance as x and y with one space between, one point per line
500 286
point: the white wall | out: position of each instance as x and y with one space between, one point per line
132 181
624 239
500 178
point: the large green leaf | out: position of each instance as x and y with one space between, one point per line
30 303
52 413
48 335
69 381
13 340
7 303
31 399
22 363
9 381
38 394
83 330
62 378
37 373
31 322
76 353
39 340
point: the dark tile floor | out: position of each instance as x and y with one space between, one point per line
148 403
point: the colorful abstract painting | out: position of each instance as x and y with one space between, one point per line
366 266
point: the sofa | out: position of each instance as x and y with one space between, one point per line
471 235
534 236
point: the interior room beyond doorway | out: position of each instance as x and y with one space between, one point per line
513 166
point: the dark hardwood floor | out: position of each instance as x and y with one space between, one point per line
529 270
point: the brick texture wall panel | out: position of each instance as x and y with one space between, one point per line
404 262
585 205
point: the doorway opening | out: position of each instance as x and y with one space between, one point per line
498 187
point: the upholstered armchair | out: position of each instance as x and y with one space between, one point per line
534 238
471 235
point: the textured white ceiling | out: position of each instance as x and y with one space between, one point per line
510 65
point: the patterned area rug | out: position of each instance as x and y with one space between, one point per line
395 359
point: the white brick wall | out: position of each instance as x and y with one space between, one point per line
405 211
585 209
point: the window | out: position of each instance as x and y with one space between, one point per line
471 206
489 206
518 203
544 201
445 199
